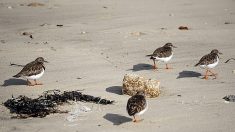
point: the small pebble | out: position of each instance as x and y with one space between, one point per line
3 41
227 22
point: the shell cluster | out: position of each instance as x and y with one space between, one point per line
133 83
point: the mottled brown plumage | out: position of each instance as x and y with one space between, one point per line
209 58
163 54
208 62
164 51
32 68
33 71
136 104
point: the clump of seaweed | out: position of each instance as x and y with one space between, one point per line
47 103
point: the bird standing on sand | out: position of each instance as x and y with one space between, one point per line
163 54
209 61
33 71
137 105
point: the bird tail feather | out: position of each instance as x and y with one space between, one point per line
17 75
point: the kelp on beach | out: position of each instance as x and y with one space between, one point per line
47 103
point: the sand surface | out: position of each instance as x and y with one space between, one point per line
101 41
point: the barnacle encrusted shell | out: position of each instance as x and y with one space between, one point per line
133 83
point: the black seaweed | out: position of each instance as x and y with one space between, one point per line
230 98
47 103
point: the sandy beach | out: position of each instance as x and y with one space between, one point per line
102 40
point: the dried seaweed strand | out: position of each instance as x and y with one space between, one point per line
47 103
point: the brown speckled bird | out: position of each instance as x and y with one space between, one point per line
33 71
209 61
137 105
163 54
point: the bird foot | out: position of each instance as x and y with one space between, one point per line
154 67
168 68
30 84
205 77
39 84
137 121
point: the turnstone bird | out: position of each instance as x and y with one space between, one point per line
163 54
137 105
33 71
209 61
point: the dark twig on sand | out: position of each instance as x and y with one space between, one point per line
13 64
229 60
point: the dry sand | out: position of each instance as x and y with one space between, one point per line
99 42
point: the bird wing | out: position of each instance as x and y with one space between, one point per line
162 52
207 59
136 104
31 68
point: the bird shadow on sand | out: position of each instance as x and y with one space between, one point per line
115 89
141 66
188 74
14 81
116 119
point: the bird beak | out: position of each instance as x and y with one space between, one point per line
220 53
46 61
174 46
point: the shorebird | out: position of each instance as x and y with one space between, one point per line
137 105
33 71
209 61
163 54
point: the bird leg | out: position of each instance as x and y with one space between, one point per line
36 82
168 67
154 64
29 83
213 74
136 120
206 75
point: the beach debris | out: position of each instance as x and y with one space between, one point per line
26 33
133 83
227 23
47 103
105 7
52 48
59 25
229 60
44 24
163 28
137 33
35 4
26 107
3 41
45 42
78 112
9 7
13 64
183 28
83 32
31 36
229 98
